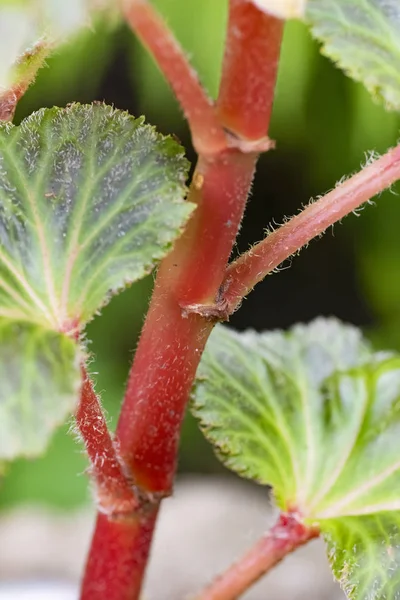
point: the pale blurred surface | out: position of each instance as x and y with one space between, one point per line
37 590
208 524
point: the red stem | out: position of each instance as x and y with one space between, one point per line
114 494
250 268
287 535
172 342
207 133
174 335
250 67
124 546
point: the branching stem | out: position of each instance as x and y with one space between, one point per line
228 138
173 337
253 266
287 535
207 133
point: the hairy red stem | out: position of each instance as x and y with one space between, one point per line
176 329
173 338
249 74
287 535
250 268
207 133
114 494
124 546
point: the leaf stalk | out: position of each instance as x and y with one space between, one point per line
288 534
254 265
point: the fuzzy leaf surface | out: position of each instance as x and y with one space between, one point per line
40 378
314 413
363 38
90 198
364 554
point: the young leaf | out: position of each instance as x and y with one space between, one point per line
315 414
39 374
20 76
26 26
363 38
90 198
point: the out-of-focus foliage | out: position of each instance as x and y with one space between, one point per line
202 37
323 124
24 23
315 414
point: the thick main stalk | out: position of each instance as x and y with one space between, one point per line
176 329
173 338
124 546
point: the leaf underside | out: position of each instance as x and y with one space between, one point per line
316 414
90 200
363 38
39 385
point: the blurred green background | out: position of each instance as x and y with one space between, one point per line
323 124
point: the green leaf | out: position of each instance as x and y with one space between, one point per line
363 38
259 399
364 553
90 198
314 413
39 374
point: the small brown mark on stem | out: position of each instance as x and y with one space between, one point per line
198 181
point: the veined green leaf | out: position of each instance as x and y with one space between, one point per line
260 400
314 413
363 38
90 198
364 553
39 374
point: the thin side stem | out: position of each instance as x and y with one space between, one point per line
114 493
207 133
249 70
287 535
23 74
253 266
